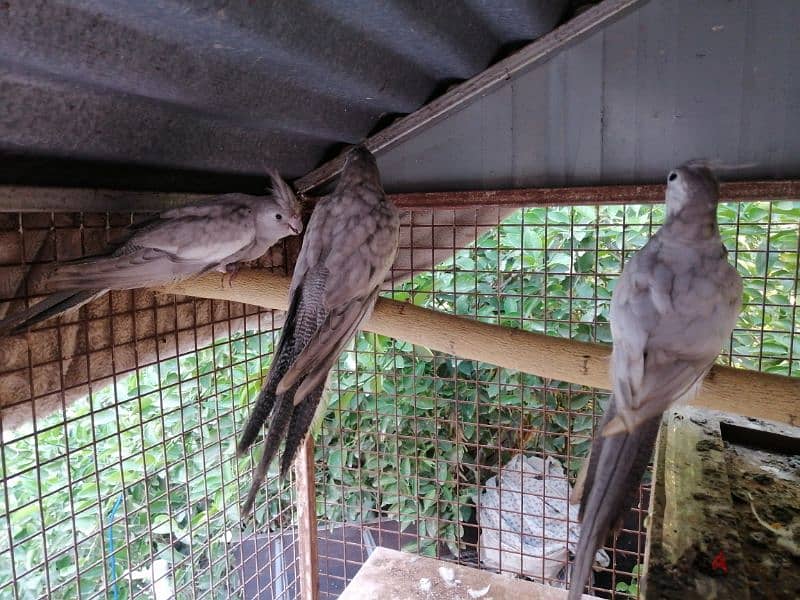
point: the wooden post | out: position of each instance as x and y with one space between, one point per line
307 521
748 393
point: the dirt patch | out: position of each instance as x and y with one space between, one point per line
766 496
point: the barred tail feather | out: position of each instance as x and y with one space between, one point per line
265 401
298 427
277 429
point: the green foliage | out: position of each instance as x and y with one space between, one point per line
411 434
407 433
632 587
164 439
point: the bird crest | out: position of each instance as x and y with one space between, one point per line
283 194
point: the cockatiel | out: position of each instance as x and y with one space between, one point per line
672 311
348 249
181 242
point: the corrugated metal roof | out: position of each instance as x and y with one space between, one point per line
132 94
199 96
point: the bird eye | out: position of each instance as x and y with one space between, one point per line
672 176
279 216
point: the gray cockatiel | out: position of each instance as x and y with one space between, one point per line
213 235
348 249
672 311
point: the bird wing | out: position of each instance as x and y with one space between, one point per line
667 333
347 299
350 243
183 242
209 233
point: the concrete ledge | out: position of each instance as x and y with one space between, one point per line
392 575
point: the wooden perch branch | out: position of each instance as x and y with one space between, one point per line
749 393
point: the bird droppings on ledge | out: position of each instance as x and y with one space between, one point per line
724 518
479 593
448 576
392 575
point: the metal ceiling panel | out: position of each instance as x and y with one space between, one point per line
160 94
670 81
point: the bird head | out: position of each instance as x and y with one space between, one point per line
692 190
288 210
360 168
359 154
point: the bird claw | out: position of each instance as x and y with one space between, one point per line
230 273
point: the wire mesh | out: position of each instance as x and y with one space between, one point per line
414 441
118 478
118 437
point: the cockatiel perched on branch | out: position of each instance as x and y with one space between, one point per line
348 249
672 311
190 240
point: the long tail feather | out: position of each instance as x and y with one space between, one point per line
616 467
277 428
265 402
52 306
298 427
259 415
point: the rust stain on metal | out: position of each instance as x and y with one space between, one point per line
43 199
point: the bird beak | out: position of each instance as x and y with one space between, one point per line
295 224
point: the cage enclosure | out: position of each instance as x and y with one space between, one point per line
525 144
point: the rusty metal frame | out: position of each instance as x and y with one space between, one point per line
732 191
36 199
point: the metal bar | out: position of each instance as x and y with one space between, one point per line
35 199
20 198
749 393
733 191
498 74
307 521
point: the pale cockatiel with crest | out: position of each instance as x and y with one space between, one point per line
672 311
348 249
213 235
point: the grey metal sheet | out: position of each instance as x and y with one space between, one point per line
164 90
198 96
674 80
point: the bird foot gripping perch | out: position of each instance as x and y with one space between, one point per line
230 273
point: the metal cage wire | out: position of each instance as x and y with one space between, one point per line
112 495
130 489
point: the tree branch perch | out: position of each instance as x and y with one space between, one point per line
748 393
